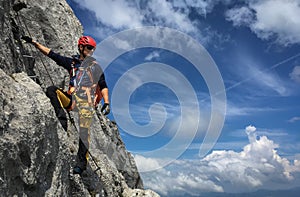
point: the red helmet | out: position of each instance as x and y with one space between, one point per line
86 40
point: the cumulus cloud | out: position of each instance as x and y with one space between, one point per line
148 163
270 19
257 166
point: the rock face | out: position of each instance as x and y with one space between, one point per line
36 154
51 23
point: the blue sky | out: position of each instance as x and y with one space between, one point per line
254 48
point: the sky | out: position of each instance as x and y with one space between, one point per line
205 93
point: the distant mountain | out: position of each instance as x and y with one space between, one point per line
260 193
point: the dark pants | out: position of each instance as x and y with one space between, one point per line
85 120
82 154
59 100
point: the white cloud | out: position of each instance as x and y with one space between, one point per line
268 80
124 14
250 131
189 124
295 74
117 14
252 72
294 119
257 166
152 55
240 16
232 145
274 133
167 15
202 7
147 163
237 110
272 19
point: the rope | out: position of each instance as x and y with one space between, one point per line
70 117
38 54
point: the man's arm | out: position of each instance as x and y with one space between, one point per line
42 48
103 88
105 108
60 60
104 93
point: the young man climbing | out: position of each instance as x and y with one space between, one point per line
90 97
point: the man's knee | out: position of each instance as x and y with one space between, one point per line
51 91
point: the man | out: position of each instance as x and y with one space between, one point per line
63 99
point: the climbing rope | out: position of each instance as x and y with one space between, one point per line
71 119
38 54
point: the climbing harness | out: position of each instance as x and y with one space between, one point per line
85 112
83 95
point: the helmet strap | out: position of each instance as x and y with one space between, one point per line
81 51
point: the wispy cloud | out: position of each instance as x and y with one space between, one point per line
268 80
295 74
118 15
261 132
240 16
257 166
241 109
232 145
294 119
152 55
267 19
258 79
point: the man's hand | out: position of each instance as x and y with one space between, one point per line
45 50
105 108
27 39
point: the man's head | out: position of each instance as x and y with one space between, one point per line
86 46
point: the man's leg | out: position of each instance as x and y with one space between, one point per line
82 154
59 99
85 120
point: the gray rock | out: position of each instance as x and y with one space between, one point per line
139 193
36 154
49 22
32 148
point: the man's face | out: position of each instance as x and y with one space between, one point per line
87 50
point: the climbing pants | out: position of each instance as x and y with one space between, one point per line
85 119
59 100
